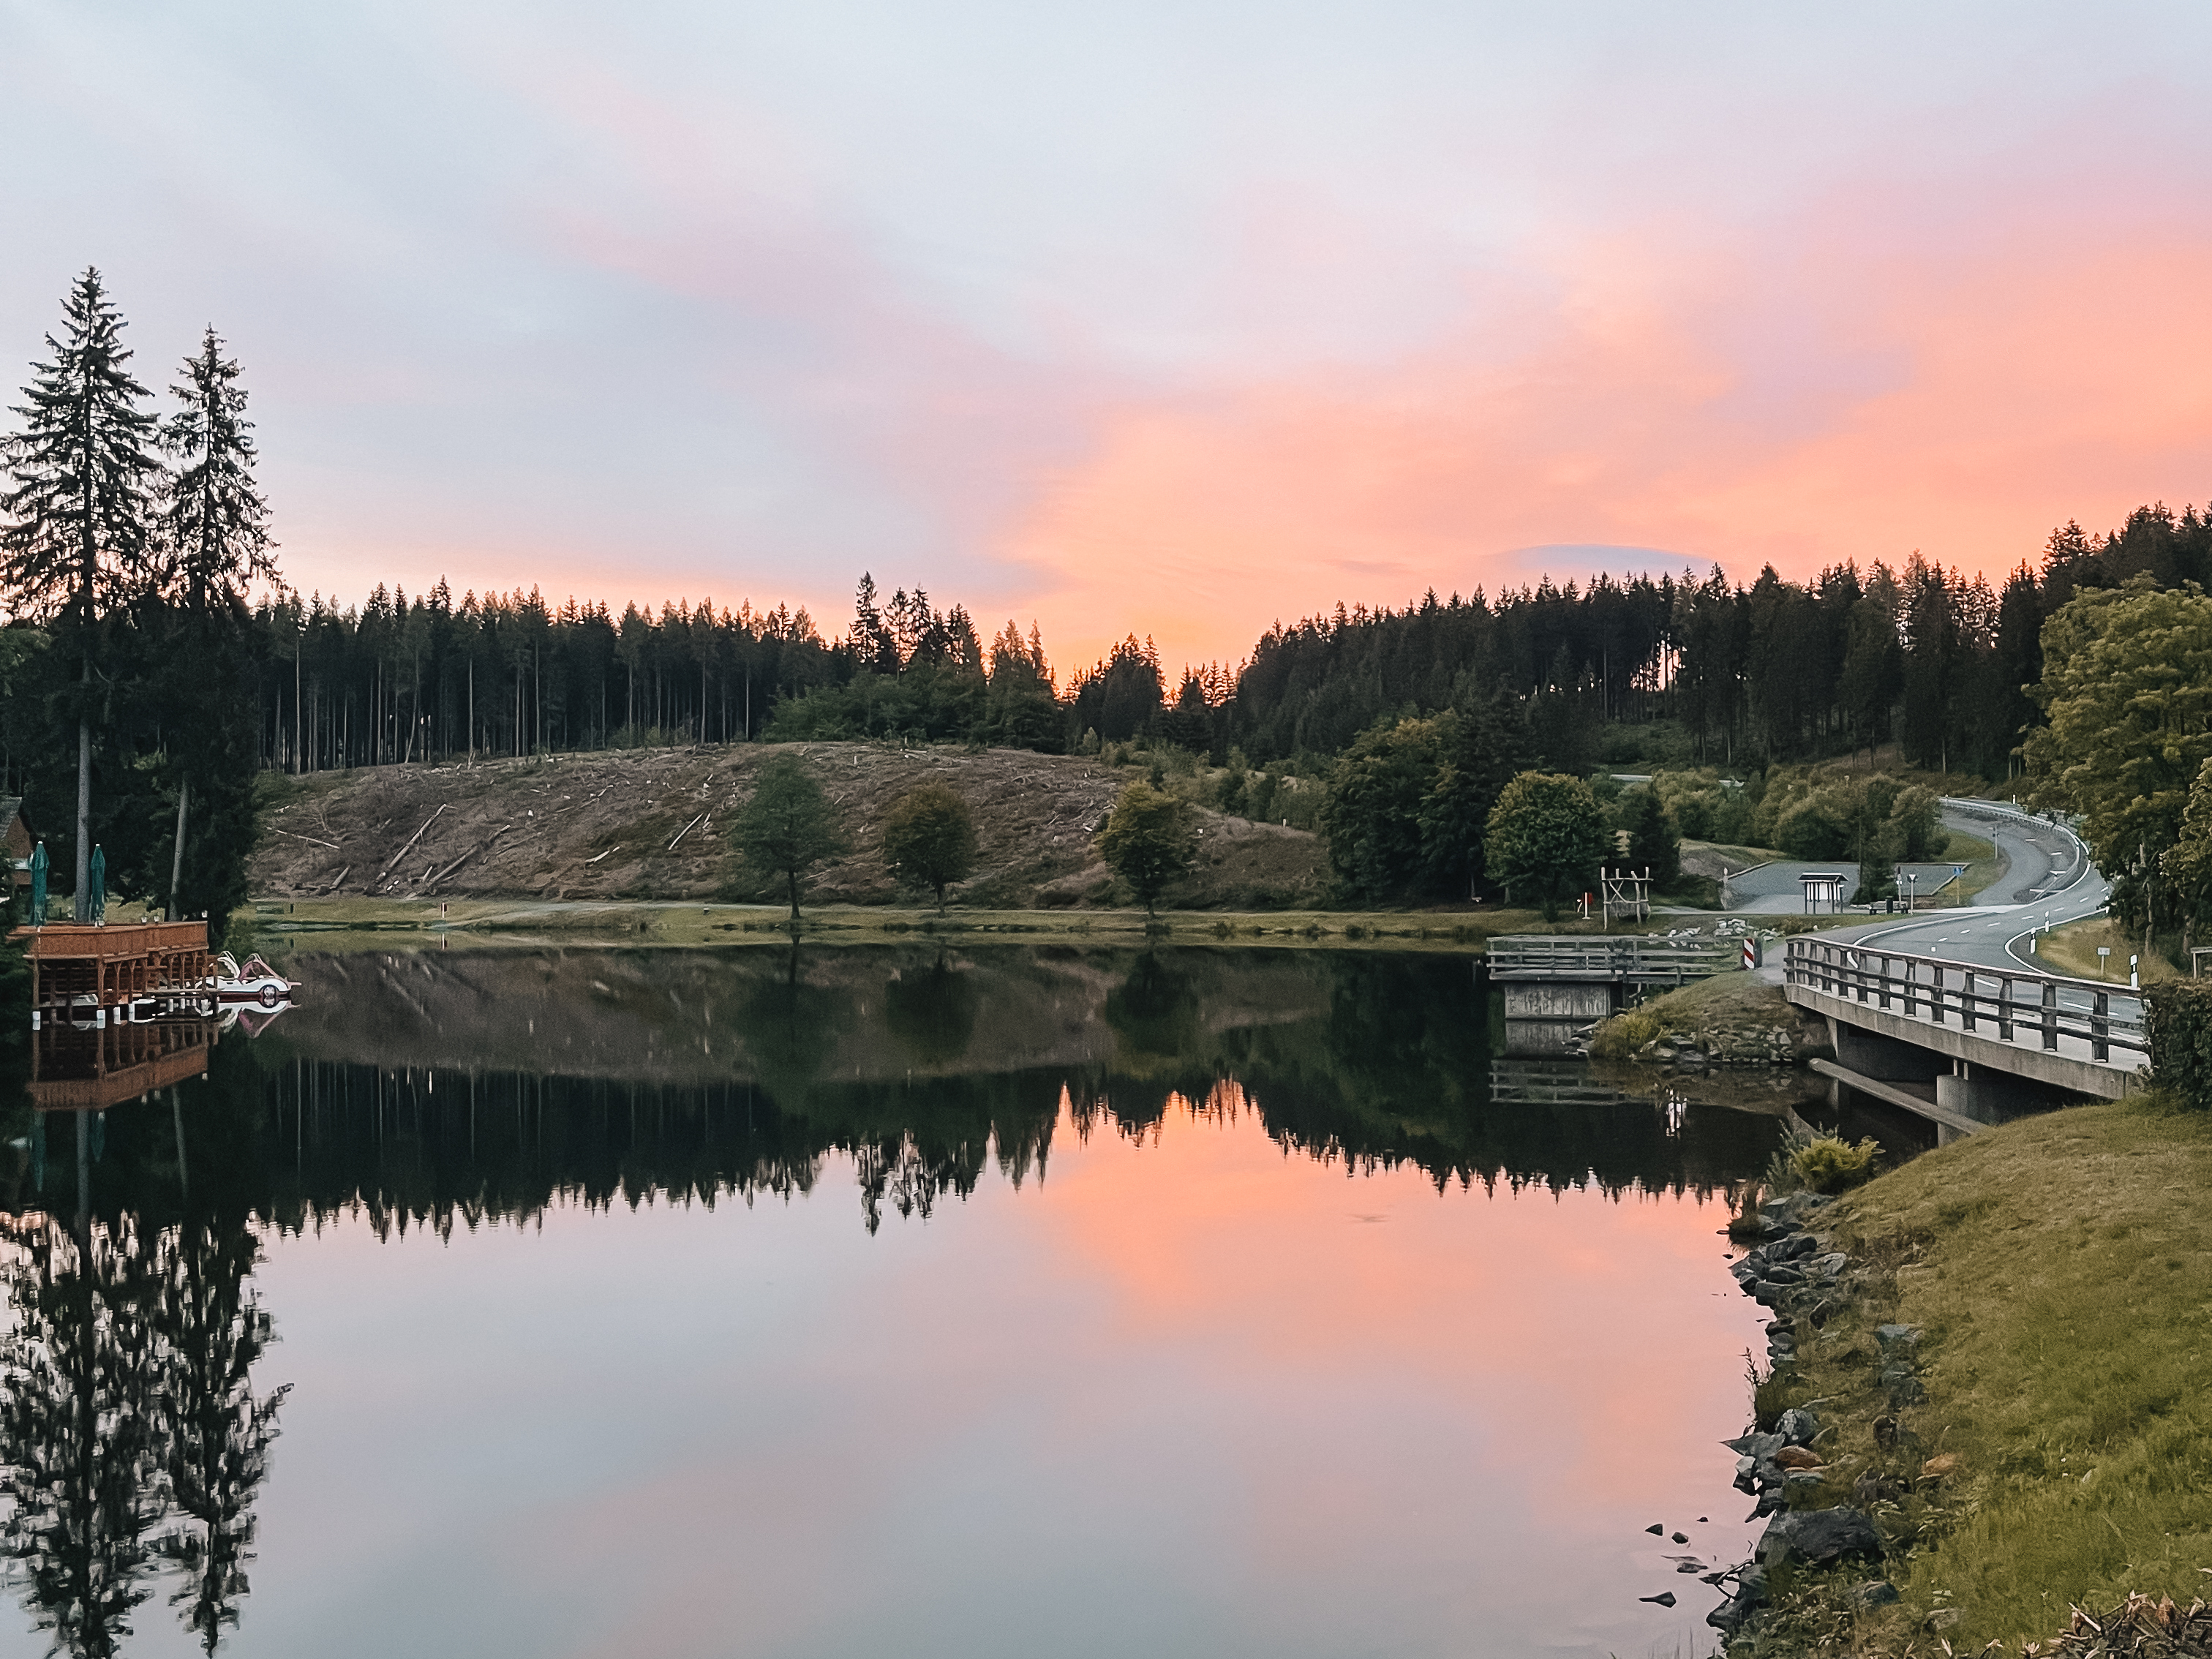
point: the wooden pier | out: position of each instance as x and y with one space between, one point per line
117 1013
87 973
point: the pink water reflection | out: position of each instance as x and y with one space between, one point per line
1189 1395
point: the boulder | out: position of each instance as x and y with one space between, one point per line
1750 1596
1796 1427
1819 1536
1874 1593
1897 1338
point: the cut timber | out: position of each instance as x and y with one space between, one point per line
402 852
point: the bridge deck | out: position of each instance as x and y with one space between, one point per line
2073 1034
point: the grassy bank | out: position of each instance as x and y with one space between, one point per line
1734 1015
2061 1270
384 924
2073 949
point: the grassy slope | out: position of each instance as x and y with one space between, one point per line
651 825
1726 1005
1983 866
2073 949
395 924
2061 1269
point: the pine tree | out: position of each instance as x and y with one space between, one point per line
79 502
214 536
213 542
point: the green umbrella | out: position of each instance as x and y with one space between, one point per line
96 900
38 883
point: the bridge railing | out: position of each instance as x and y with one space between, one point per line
2002 1005
1631 957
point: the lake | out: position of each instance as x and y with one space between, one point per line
818 1302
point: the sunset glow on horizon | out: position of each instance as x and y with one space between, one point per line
1141 320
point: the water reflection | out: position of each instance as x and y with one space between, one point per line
432 1090
131 1437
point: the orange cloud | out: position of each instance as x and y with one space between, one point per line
1735 415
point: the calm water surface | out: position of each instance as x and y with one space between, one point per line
725 1303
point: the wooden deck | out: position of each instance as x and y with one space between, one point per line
73 964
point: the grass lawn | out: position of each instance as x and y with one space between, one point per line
341 923
2073 949
2060 1268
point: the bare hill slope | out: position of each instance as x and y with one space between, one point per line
649 824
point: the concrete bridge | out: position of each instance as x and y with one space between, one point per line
1965 1044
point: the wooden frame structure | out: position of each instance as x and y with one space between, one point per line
91 968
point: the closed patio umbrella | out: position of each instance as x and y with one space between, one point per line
39 883
96 900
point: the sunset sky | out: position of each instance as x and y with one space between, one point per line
1175 318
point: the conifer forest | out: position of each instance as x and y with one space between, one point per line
155 658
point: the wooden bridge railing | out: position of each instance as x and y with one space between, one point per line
1630 957
2000 1005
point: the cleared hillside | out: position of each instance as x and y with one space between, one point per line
651 825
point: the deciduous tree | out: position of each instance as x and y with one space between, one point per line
2127 691
1147 841
929 838
1548 838
786 827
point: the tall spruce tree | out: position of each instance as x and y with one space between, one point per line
215 535
79 502
213 544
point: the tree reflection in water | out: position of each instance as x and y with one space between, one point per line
466 1089
130 1432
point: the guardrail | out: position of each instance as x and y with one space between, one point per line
1630 957
1982 1002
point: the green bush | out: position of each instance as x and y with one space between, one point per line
2178 1018
1623 1034
1832 1164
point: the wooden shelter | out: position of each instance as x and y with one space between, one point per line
16 841
90 971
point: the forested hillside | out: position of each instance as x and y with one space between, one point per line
136 677
1928 658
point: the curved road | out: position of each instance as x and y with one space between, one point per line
2049 880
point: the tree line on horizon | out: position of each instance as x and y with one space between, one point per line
1932 660
142 690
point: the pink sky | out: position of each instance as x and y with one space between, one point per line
1171 320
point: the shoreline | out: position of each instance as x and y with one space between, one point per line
491 923
274 923
1982 1386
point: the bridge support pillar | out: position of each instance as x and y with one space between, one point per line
1885 1059
1992 1096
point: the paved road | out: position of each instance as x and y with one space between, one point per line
2050 881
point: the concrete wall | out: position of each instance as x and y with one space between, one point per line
1555 1000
